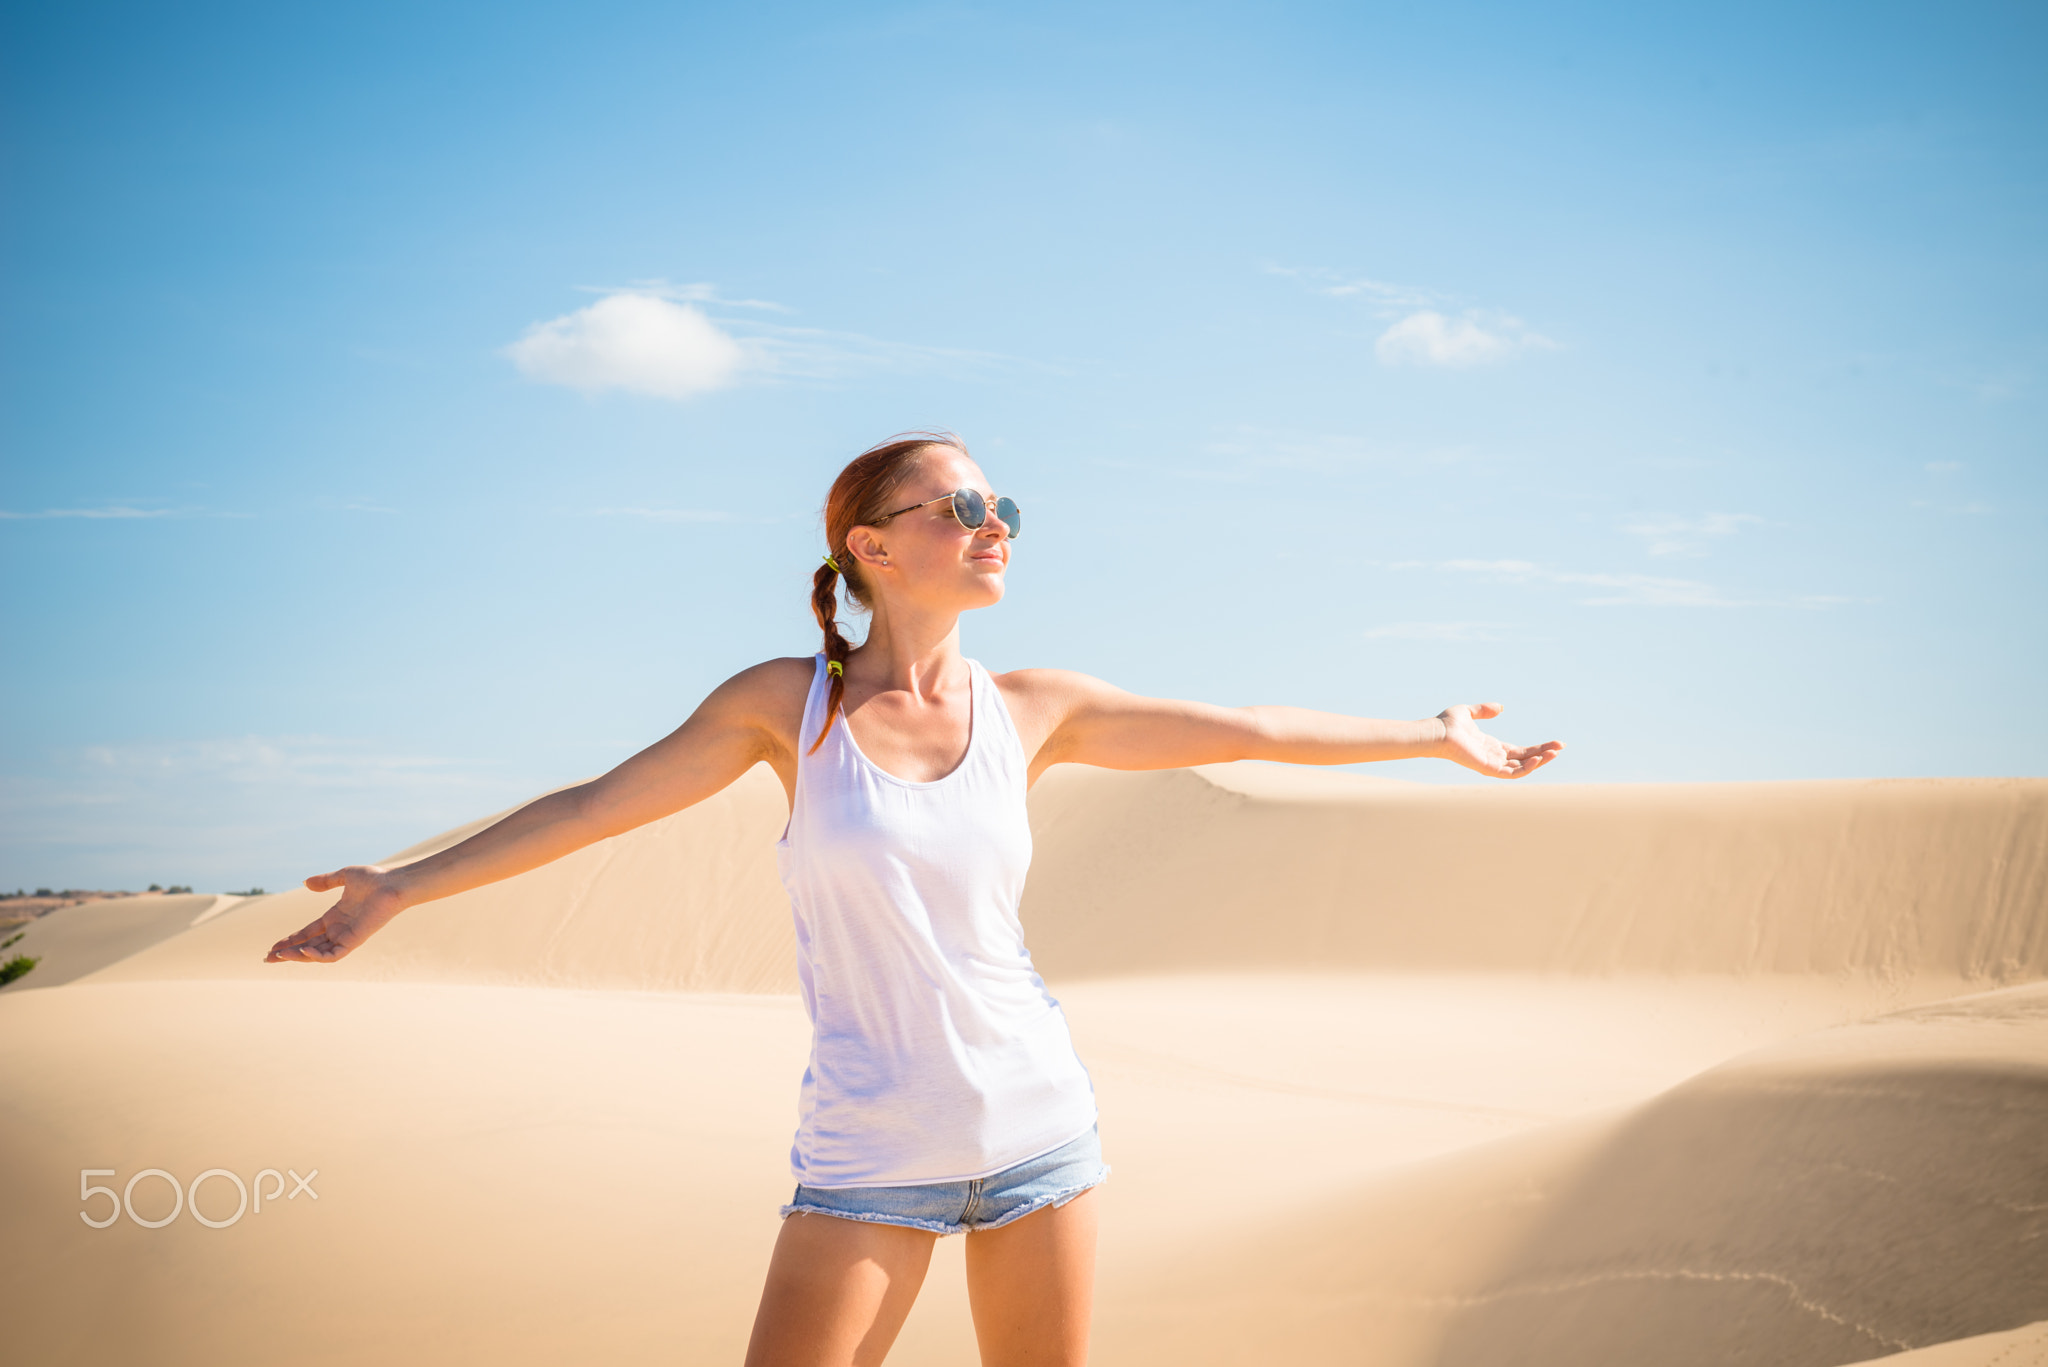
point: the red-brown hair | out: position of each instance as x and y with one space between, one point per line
866 490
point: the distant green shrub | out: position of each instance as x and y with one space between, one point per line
15 967
11 939
44 892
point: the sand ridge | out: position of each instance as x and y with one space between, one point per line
1271 866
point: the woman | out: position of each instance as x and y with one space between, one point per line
943 1093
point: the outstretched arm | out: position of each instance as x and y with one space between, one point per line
734 728
1087 721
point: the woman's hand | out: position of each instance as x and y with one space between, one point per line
369 899
1464 743
1068 718
753 716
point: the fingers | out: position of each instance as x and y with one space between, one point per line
320 951
283 951
327 882
315 952
310 944
1482 711
1522 763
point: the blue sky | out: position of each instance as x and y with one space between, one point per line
410 407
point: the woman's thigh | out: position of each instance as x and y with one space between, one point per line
1031 1284
838 1291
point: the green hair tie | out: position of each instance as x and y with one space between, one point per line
836 669
833 563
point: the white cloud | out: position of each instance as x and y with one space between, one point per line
1427 337
635 341
1439 631
1688 536
1424 329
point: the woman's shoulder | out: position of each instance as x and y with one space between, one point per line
1041 697
769 695
783 669
776 680
1045 683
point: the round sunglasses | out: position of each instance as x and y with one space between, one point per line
971 509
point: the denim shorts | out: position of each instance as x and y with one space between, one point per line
1051 1179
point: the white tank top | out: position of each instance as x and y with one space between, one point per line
937 1055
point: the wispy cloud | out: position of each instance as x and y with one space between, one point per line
117 511
667 514
1475 337
822 354
1623 590
309 761
228 811
2006 383
1245 453
1944 474
700 293
1688 536
1388 299
1439 631
1425 327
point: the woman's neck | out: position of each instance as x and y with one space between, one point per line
911 651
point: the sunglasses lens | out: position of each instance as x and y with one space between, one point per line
1007 513
970 508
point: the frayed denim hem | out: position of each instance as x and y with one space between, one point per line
870 1217
945 1227
1058 1198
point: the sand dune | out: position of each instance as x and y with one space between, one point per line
691 903
71 942
1270 865
1253 865
1532 1074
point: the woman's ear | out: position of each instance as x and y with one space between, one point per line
865 545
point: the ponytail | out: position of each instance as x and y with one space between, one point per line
825 604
